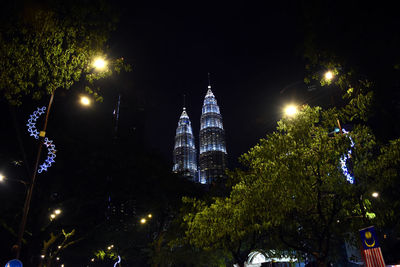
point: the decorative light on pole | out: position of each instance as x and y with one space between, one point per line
343 161
51 148
375 194
119 261
99 64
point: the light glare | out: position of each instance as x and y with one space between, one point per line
375 194
291 110
142 221
2 177
99 63
329 75
85 100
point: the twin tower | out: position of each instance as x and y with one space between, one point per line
213 157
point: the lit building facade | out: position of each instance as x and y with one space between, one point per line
213 156
184 154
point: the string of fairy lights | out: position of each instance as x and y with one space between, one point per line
51 148
343 161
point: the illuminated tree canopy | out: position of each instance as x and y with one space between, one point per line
293 187
52 45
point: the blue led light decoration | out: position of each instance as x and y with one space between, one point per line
117 262
184 150
32 122
343 161
213 156
51 148
51 155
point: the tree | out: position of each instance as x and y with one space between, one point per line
222 226
295 188
52 45
49 46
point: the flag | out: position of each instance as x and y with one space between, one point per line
371 250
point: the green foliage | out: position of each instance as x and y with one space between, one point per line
106 254
43 48
294 189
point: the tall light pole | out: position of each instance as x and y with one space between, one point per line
98 64
42 134
328 76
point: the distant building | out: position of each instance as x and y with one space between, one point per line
184 154
213 156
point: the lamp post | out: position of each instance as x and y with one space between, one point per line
98 64
42 134
329 76
4 178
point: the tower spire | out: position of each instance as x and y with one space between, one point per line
209 81
184 101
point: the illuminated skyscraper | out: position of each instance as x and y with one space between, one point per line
185 150
213 157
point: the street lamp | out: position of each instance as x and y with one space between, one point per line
55 214
375 194
85 101
99 63
3 178
328 75
290 110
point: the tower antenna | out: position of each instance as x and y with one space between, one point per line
184 101
209 81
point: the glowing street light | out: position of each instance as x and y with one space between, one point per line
143 221
55 214
150 215
99 63
290 110
85 101
2 177
328 75
375 194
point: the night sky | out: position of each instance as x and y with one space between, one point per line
251 53
254 54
